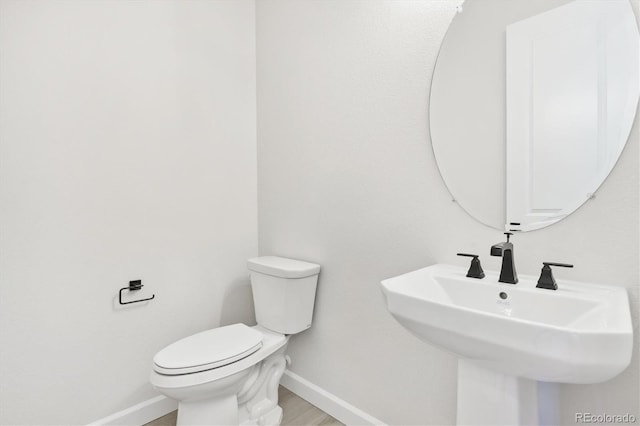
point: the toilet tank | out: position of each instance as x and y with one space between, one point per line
284 292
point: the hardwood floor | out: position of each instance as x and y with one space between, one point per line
166 420
297 412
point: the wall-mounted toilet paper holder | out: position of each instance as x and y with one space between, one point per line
133 286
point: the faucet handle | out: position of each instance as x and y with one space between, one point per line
562 265
546 279
475 269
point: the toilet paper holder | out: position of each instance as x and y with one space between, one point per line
133 286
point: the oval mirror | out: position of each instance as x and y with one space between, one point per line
531 105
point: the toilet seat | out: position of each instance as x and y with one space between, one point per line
208 350
271 342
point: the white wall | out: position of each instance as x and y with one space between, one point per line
127 150
347 179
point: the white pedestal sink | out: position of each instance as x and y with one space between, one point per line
510 337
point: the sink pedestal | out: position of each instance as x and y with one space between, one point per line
486 397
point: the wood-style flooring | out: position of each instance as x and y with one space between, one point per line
297 412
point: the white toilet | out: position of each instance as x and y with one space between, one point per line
230 375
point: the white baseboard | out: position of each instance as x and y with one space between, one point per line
327 402
141 413
341 410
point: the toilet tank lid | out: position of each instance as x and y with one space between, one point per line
282 267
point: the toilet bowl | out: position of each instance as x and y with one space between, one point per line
230 375
223 395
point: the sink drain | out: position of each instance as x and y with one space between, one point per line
503 295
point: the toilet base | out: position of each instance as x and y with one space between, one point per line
254 404
272 418
258 399
219 411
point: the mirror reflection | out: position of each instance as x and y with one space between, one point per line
532 104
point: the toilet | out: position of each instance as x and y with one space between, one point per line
230 375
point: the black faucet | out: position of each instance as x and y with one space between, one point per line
508 271
475 270
546 279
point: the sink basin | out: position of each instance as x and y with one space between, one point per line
580 333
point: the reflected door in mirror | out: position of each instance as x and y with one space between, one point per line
571 77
